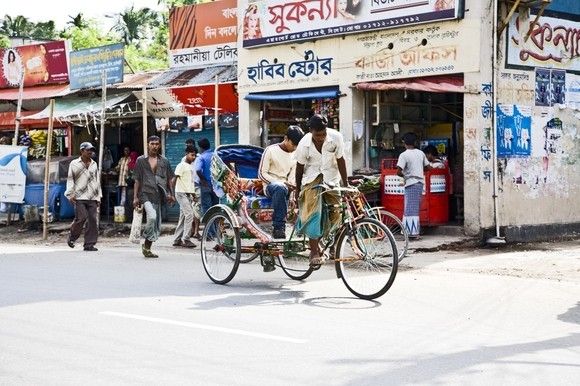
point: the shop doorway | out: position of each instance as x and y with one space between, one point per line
436 119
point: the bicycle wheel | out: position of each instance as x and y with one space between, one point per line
295 261
367 258
220 248
395 226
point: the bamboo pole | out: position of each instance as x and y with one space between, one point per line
216 114
47 172
144 114
18 108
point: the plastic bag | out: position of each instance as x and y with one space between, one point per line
135 235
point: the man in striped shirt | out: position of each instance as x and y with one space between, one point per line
83 190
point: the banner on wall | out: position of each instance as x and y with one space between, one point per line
87 66
44 63
192 100
267 22
514 125
203 34
13 169
553 43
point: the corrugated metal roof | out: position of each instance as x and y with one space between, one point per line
192 77
137 81
37 92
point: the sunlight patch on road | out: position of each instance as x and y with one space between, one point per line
204 327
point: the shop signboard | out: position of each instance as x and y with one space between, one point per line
13 168
267 22
434 49
44 63
203 34
191 100
87 66
553 43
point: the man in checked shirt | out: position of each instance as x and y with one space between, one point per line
83 190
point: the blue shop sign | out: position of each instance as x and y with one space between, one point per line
87 66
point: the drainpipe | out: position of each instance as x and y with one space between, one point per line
497 239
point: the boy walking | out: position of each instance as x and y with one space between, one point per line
184 194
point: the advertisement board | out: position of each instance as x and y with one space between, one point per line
13 168
267 22
44 63
425 50
553 43
191 100
203 34
87 66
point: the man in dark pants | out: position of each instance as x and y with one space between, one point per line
203 170
83 190
153 175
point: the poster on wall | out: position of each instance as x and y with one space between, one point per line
202 34
514 125
573 91
13 169
44 63
550 87
266 22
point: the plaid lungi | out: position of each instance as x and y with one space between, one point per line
318 212
413 197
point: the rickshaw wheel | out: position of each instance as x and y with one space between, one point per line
220 248
296 264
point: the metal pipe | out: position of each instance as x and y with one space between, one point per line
47 172
497 239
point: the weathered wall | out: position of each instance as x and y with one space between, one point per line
539 144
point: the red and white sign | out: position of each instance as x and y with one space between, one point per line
191 100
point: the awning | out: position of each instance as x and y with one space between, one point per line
38 92
307 93
64 108
429 84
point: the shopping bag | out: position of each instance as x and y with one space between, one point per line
135 235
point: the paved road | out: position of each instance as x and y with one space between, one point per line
69 317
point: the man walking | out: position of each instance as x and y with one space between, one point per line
184 194
278 171
153 177
83 190
320 160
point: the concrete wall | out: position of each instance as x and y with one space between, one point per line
540 185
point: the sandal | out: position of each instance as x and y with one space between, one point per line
148 253
314 261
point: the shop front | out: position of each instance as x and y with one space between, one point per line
389 81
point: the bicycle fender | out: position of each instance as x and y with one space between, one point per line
226 211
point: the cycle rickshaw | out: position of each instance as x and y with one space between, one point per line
362 248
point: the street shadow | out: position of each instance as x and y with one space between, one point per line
428 370
252 294
572 315
341 303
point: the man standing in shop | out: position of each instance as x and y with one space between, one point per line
320 160
153 177
411 165
83 190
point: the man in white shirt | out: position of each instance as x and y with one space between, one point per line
278 170
184 191
320 159
411 165
83 190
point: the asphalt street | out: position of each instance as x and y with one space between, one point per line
69 317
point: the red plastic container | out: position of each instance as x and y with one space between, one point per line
435 202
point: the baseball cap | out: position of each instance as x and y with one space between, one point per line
87 145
